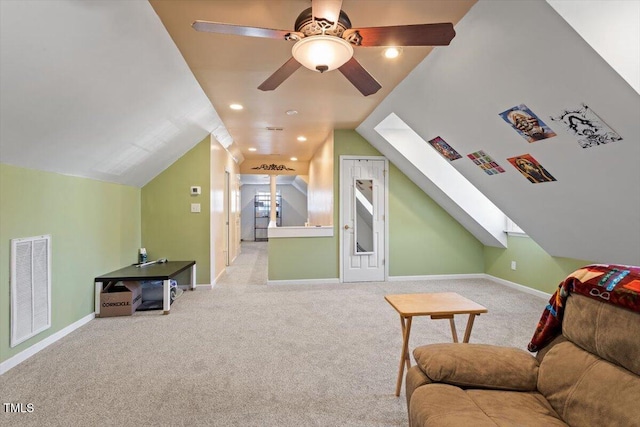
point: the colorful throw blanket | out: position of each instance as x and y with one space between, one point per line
614 284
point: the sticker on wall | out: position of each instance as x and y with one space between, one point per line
445 149
585 125
527 124
531 169
486 163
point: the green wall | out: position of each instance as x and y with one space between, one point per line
302 258
94 228
423 238
169 229
535 268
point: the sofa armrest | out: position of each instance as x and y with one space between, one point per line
478 366
413 379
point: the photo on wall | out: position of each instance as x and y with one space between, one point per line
585 125
445 149
486 163
527 124
531 169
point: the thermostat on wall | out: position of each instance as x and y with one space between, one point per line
195 191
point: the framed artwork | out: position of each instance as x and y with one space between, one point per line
445 149
585 125
531 169
486 163
527 124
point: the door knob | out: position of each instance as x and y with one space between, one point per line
346 227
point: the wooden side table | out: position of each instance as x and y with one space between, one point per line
436 305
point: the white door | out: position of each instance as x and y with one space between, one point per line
362 222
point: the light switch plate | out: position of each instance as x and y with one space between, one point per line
196 190
195 207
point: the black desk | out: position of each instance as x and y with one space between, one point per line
164 272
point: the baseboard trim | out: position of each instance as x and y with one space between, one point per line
304 282
203 287
217 278
41 345
518 287
437 277
494 279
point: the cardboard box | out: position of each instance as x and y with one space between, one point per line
121 299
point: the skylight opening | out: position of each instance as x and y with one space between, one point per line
444 176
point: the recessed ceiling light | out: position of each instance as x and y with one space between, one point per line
291 112
302 138
391 52
253 149
236 107
293 159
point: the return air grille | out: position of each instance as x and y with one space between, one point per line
30 287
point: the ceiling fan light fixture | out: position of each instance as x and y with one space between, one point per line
322 53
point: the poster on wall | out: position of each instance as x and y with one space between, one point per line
486 163
445 149
585 125
527 124
531 169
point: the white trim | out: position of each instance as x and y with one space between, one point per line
304 282
438 277
518 287
203 287
299 231
516 234
224 270
513 285
41 345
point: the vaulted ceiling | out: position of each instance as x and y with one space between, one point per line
118 91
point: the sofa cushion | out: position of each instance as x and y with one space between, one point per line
586 390
445 405
603 329
513 408
478 365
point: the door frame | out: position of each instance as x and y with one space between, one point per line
227 217
341 210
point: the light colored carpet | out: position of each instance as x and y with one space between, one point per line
248 354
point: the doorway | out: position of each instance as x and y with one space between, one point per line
363 213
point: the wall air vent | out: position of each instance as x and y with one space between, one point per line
30 287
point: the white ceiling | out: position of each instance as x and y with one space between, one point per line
612 28
98 88
95 89
529 55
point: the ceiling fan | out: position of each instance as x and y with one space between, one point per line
324 42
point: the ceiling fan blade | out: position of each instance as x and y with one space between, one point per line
239 30
405 35
327 9
359 77
280 75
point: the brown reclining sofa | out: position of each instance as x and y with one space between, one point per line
585 373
